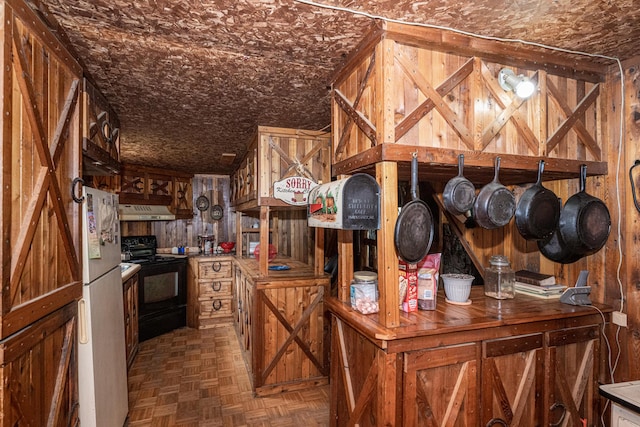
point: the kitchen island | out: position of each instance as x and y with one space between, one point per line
524 361
281 324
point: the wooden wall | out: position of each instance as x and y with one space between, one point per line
186 231
627 281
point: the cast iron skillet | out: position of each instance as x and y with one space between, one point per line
459 192
538 210
585 222
495 205
414 228
555 249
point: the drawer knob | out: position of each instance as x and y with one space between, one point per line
217 266
217 305
216 286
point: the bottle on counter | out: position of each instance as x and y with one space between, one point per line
499 278
207 247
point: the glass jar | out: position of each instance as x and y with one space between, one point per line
499 278
364 292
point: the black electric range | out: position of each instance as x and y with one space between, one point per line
162 286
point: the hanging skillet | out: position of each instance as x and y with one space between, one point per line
459 192
555 249
495 204
414 228
585 221
538 210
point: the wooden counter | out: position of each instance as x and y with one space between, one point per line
281 325
524 361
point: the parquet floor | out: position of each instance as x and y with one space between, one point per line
193 378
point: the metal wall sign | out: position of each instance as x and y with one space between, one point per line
293 190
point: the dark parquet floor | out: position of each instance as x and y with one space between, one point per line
193 378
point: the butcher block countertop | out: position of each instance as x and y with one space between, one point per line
484 318
297 269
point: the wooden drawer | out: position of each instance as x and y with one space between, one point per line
215 307
214 269
215 288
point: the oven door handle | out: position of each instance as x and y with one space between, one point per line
217 305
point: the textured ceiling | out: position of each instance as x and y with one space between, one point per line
191 79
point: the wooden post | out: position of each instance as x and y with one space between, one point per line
345 263
263 262
387 177
318 252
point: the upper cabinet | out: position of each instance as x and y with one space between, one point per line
273 155
100 134
409 89
144 185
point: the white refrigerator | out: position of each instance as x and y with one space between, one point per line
102 368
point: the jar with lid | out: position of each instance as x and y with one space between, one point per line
364 292
499 278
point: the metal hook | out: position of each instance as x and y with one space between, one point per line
633 185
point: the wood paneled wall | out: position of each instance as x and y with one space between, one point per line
186 231
622 265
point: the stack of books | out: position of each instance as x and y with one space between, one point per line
538 285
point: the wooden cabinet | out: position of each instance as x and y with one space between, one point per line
210 293
573 356
131 338
152 186
273 155
434 376
280 323
528 362
41 232
512 376
100 134
243 297
39 372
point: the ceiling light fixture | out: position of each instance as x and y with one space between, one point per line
521 84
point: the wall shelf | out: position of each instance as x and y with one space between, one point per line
441 164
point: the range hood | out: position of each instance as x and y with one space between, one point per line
145 213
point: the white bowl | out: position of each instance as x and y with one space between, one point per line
457 287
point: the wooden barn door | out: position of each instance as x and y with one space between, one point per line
41 271
511 380
572 358
440 387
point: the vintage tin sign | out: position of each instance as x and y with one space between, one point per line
293 190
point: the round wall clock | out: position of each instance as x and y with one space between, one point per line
216 212
202 203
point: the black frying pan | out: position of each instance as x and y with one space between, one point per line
585 222
414 228
459 192
538 210
555 248
495 204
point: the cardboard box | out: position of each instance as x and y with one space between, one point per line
408 286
